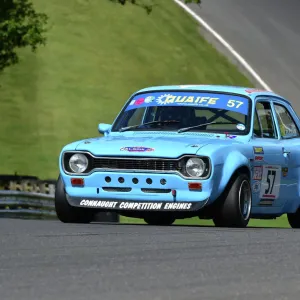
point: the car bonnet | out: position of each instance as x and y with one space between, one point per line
157 146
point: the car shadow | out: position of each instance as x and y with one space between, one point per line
193 226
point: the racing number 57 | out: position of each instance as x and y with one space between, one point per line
270 180
234 103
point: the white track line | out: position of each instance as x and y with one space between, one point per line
241 60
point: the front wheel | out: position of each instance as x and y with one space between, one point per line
236 207
294 219
67 213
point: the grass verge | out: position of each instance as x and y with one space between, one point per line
98 53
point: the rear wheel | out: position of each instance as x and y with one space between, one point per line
160 220
235 209
294 219
65 212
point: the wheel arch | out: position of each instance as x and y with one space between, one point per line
209 210
229 167
240 170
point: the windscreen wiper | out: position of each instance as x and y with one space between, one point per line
200 125
149 123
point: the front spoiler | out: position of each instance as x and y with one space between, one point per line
127 205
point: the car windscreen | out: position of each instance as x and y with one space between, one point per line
172 111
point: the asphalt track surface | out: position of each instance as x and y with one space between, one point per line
266 33
49 260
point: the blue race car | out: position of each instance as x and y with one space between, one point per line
217 152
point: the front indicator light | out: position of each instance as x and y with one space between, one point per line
77 181
195 186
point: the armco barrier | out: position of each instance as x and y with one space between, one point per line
26 204
29 197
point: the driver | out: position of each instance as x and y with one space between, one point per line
179 113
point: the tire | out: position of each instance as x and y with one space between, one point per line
159 220
294 219
65 212
235 209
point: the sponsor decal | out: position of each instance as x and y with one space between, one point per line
257 173
271 167
163 99
258 150
137 205
258 158
139 101
256 187
137 149
149 99
229 136
241 127
197 99
270 184
265 202
285 171
132 102
168 99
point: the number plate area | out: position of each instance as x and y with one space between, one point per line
270 185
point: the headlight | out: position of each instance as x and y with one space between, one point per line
78 163
195 167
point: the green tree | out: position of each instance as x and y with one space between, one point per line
20 26
149 4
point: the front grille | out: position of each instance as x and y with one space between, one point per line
136 164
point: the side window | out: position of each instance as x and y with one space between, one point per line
265 117
288 128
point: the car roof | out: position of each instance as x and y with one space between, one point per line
245 91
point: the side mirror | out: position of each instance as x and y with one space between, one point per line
104 128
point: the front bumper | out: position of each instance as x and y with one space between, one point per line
152 192
129 205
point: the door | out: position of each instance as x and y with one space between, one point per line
290 144
268 158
